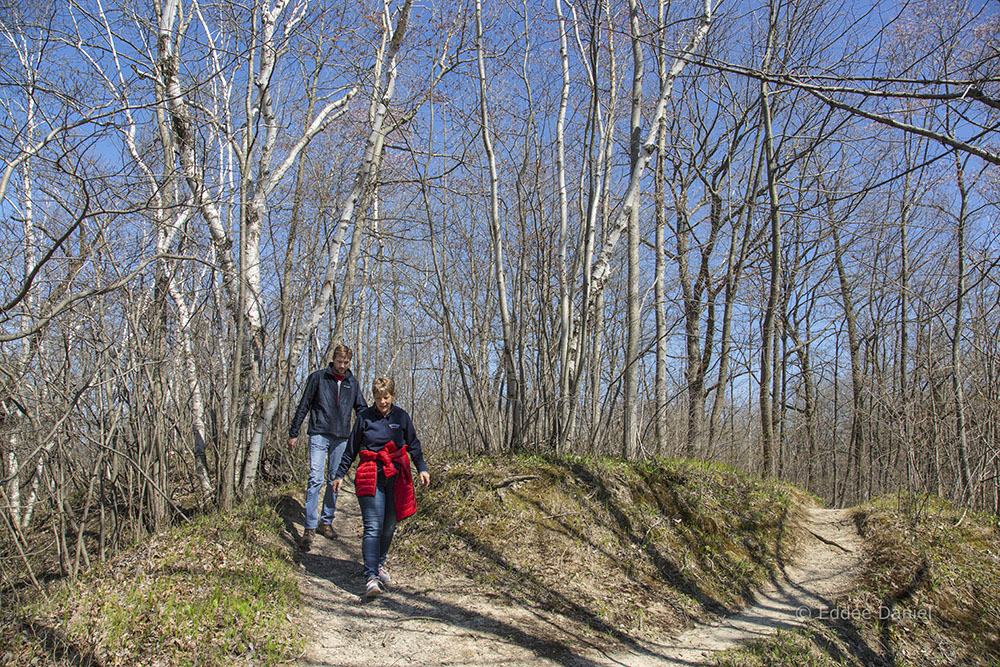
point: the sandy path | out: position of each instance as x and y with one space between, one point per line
823 570
437 621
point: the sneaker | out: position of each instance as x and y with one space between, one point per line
305 543
383 577
327 531
373 589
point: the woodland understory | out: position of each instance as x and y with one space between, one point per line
762 234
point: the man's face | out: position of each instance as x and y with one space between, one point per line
341 364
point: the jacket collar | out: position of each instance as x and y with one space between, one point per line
329 372
378 413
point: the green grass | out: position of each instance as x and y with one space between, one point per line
221 591
782 648
934 571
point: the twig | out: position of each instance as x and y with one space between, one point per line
15 533
421 618
830 542
512 480
646 536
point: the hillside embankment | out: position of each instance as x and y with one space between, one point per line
927 594
583 562
544 560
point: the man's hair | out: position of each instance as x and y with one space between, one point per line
383 385
342 351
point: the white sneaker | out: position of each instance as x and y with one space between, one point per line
383 577
373 589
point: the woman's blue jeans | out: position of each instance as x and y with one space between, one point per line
378 515
324 459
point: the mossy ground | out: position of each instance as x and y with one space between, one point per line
928 594
220 591
618 548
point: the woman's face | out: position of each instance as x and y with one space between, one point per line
383 402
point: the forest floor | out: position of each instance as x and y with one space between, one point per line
443 618
539 560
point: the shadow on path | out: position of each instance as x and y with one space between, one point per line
453 622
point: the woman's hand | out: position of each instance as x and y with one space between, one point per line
425 479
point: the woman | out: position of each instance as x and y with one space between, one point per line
384 438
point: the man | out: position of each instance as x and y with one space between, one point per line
330 396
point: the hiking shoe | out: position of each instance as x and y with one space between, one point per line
383 577
327 531
305 543
373 588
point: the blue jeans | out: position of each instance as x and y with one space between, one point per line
378 515
324 458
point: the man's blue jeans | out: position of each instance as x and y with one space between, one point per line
324 458
378 515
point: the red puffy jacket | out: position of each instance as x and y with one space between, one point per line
394 462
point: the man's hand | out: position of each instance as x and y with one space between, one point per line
425 479
335 484
291 444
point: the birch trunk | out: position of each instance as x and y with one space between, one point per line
588 323
28 508
184 317
660 259
14 485
27 198
496 232
368 166
565 311
598 270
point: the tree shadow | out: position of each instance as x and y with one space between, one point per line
421 606
887 609
666 568
346 574
670 503
519 585
848 635
292 514
58 645
519 581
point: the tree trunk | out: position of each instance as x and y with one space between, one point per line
562 392
660 296
958 389
767 327
857 442
496 233
597 270
630 441
368 166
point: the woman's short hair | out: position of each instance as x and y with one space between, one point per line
342 351
383 385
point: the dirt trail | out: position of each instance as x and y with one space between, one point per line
437 621
823 570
